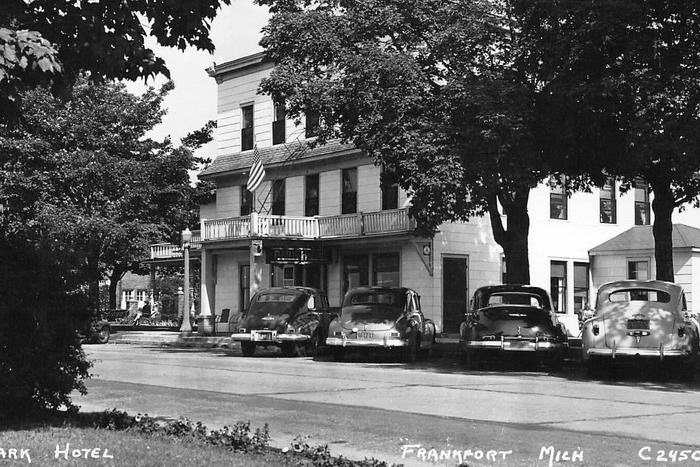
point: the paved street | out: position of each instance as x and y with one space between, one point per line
389 410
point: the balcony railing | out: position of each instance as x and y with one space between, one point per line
169 250
319 227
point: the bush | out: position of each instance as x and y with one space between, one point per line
41 359
237 437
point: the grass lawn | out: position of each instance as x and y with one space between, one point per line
125 449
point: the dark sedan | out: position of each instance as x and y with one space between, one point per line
508 320
292 318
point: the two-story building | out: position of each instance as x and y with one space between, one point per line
322 218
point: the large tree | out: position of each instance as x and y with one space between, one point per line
52 41
436 92
632 70
99 186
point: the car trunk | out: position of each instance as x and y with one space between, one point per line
637 324
516 321
370 317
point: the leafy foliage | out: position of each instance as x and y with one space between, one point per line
624 97
53 41
437 93
84 170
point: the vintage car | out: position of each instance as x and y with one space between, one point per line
641 319
96 332
508 320
292 318
381 318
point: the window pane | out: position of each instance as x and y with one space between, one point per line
608 202
247 138
246 201
278 197
355 271
557 197
312 195
558 284
312 123
638 270
349 191
580 285
386 269
390 190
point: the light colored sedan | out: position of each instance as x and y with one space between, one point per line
381 317
645 320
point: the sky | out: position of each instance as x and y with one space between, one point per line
235 32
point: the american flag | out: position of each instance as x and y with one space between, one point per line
257 171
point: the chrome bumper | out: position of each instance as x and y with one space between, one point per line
276 338
659 353
512 346
385 342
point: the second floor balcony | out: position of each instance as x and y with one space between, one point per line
317 227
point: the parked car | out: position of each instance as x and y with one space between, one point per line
509 319
381 317
292 318
97 332
641 319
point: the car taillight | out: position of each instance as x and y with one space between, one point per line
290 330
337 333
596 329
241 330
681 331
488 337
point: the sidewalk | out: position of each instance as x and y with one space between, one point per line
444 345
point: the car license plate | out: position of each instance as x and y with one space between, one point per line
263 335
518 344
638 324
365 335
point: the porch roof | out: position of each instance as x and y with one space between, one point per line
272 156
641 237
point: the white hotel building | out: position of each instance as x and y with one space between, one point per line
321 219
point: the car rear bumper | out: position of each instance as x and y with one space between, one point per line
275 339
385 342
513 346
624 352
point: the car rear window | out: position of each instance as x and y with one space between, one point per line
514 298
275 303
392 299
645 295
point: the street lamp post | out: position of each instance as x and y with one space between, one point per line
186 327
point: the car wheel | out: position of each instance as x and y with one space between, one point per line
468 361
289 349
247 348
686 369
555 363
595 368
314 345
338 354
102 335
410 351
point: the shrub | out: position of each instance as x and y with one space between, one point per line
41 359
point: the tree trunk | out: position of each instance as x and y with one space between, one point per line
93 283
514 238
663 206
114 278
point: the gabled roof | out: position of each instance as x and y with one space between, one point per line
641 237
272 156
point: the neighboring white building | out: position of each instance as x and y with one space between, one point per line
320 218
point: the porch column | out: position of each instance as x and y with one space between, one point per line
206 293
257 263
152 284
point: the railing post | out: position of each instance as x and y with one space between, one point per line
253 224
361 223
